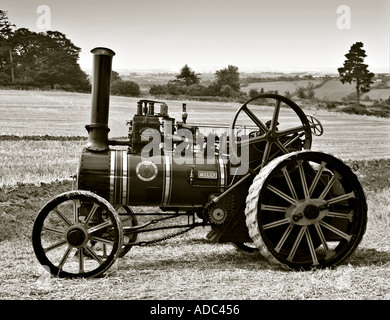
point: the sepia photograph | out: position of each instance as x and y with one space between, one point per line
194 156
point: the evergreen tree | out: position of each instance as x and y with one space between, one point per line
187 76
354 70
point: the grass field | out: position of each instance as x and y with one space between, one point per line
332 90
281 86
186 267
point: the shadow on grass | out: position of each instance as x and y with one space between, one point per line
369 257
202 256
225 256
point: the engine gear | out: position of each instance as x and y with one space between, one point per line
217 215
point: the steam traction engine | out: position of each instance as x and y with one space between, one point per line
258 187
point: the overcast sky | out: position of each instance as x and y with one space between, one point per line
274 35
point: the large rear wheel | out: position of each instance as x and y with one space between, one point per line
306 210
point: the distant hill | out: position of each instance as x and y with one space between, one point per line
335 90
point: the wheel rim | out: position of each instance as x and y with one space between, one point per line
77 234
311 211
273 138
128 220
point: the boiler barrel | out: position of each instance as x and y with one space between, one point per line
127 179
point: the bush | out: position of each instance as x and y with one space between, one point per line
306 92
226 91
253 93
176 88
356 109
351 97
125 88
197 90
310 91
158 89
301 92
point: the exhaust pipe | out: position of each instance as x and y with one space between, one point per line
98 128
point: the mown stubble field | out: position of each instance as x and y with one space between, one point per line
186 267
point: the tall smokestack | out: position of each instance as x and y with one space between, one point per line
98 129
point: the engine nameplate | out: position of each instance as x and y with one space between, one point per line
207 174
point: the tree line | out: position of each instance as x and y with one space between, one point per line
187 82
227 81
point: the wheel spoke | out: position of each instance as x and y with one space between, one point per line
273 208
289 183
322 237
286 144
341 198
335 230
81 260
281 146
55 246
341 215
274 121
276 223
311 247
93 254
255 119
267 150
100 226
284 237
254 139
62 216
317 178
303 179
316 130
76 207
105 255
281 194
327 188
296 243
53 230
65 257
91 213
291 141
103 240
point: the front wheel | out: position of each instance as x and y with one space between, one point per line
77 234
306 210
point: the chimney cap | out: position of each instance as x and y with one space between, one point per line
103 51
